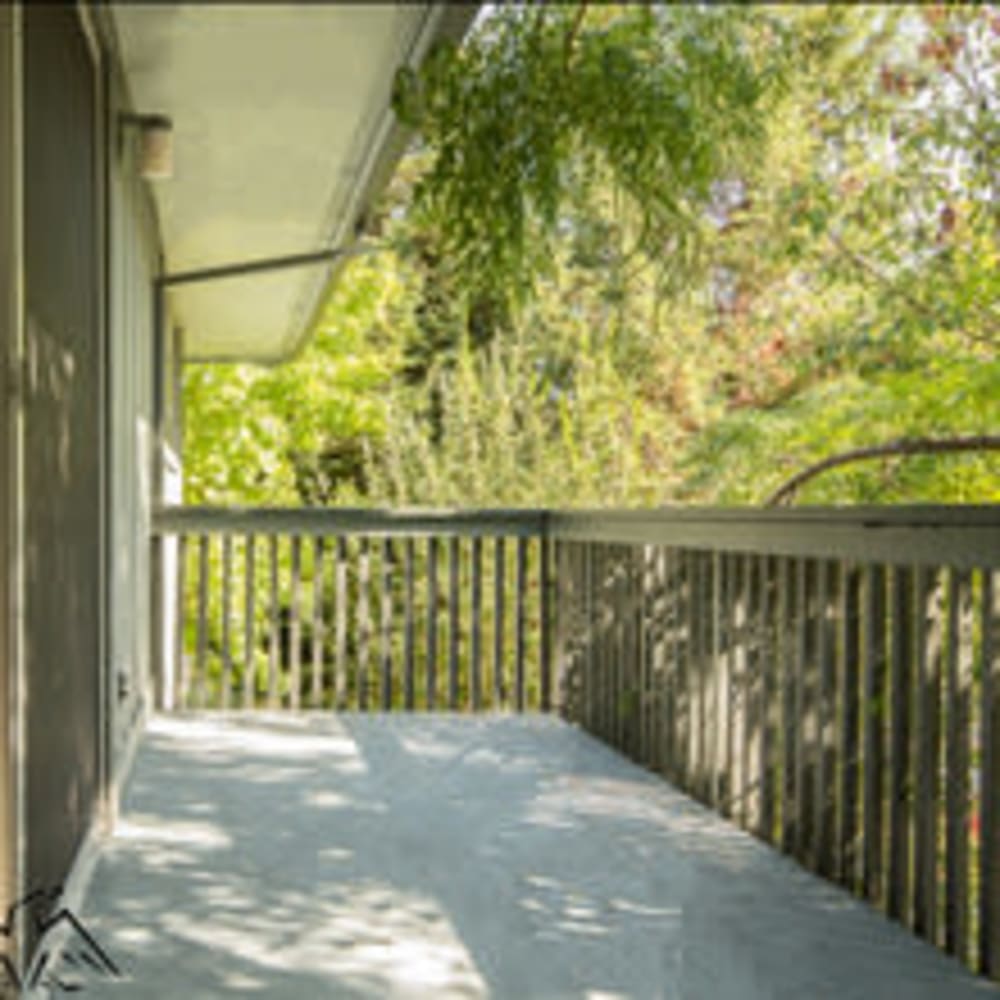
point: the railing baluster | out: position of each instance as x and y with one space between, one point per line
386 624
632 610
850 720
745 667
609 636
621 663
249 630
318 625
807 750
364 621
273 644
295 629
989 829
717 686
695 616
519 621
595 655
685 667
597 642
789 720
646 612
613 652
499 600
545 624
874 731
566 662
800 653
583 656
768 674
340 653
568 693
409 629
828 590
703 623
634 626
604 638
181 661
583 630
728 701
753 716
901 658
476 625
227 657
663 668
201 659
957 762
929 629
596 660
454 619
432 611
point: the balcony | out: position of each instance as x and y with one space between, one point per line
543 753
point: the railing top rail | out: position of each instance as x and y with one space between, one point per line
346 520
962 536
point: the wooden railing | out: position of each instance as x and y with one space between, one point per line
357 609
827 679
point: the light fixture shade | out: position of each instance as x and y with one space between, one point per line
156 153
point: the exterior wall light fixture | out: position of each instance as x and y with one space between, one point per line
156 150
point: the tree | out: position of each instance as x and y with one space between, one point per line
564 288
546 104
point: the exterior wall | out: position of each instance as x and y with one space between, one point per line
10 325
133 266
64 426
78 386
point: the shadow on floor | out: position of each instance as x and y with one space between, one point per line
457 856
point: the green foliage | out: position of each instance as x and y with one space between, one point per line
514 433
297 433
747 455
548 104
649 255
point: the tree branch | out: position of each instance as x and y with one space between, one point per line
903 446
572 33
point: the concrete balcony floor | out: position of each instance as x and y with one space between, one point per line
308 855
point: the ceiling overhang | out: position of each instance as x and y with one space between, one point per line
283 132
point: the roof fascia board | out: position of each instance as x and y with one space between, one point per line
445 22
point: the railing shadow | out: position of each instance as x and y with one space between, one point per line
426 855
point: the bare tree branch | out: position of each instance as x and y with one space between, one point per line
903 446
572 34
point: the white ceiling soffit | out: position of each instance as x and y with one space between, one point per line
282 133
